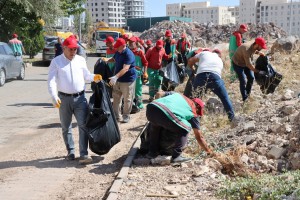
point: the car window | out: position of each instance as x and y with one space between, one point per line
8 49
2 51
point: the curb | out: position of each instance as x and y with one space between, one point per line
123 173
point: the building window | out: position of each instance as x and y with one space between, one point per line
102 4
102 9
102 14
96 4
96 15
96 9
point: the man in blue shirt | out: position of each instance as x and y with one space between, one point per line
123 81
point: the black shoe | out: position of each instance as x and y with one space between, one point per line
151 155
84 160
70 156
180 159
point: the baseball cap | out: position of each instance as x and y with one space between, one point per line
218 51
244 27
125 36
70 42
261 42
159 43
148 42
168 33
201 104
14 35
141 42
183 35
133 39
119 42
109 39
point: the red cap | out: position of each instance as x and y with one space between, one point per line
70 42
133 39
168 33
109 39
261 42
119 42
141 42
148 42
125 36
159 43
201 104
183 35
244 27
14 35
205 49
218 51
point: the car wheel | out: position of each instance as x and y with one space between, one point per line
22 73
2 77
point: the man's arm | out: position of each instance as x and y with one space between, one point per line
123 71
201 141
191 62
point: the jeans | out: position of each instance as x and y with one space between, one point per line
208 80
242 73
79 107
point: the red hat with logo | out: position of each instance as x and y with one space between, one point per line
201 105
168 33
261 42
119 42
109 39
14 35
148 42
125 36
159 43
70 42
133 39
244 27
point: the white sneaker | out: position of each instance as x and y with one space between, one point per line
126 118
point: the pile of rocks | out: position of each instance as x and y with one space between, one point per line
205 35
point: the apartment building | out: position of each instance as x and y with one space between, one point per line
109 11
134 9
283 13
202 12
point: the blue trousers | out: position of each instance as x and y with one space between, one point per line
208 80
242 73
79 107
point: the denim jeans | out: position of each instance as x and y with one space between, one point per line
208 80
242 73
79 107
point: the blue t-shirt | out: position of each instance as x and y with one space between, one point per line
128 58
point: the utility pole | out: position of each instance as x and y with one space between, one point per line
79 34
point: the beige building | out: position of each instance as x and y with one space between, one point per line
201 12
282 13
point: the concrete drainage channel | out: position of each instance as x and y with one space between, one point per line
123 173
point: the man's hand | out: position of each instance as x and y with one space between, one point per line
97 78
104 59
113 80
262 73
56 102
145 75
137 67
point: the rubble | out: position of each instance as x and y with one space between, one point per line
206 35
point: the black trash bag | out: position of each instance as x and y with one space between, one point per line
101 67
170 76
271 79
103 128
167 141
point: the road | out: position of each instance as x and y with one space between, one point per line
32 164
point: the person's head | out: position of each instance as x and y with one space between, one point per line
120 45
199 106
109 42
148 43
70 47
168 34
59 40
125 37
183 36
159 44
243 28
132 42
217 51
260 44
14 35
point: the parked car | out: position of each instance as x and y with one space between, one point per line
11 65
49 51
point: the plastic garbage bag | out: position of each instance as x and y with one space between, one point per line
103 128
170 76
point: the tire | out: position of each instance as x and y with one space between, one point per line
2 77
22 73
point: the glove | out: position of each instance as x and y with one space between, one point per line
262 73
145 75
56 102
113 80
97 78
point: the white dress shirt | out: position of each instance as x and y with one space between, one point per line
209 62
68 76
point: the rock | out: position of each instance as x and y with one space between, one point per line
249 126
174 189
249 139
286 44
276 152
252 146
295 163
288 95
245 158
141 161
201 170
262 150
262 160
288 110
287 128
213 163
161 160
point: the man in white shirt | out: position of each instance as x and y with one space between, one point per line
208 76
66 85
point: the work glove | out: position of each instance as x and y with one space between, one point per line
262 73
56 102
113 80
97 78
145 75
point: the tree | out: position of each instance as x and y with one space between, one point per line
72 7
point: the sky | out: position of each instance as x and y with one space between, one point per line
157 8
